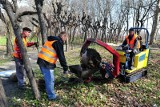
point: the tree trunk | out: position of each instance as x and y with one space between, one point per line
9 44
39 5
127 21
155 22
3 99
73 37
23 50
85 36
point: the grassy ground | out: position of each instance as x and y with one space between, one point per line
3 58
143 92
2 40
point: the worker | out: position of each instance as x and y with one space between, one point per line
131 41
47 58
20 70
140 43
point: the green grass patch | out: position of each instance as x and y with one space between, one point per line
73 57
2 40
4 60
3 57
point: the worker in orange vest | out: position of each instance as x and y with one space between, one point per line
20 71
131 41
47 58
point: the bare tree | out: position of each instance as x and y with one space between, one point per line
155 22
39 6
141 11
9 45
11 12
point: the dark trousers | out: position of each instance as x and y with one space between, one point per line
131 61
20 71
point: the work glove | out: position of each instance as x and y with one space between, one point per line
36 44
134 51
126 47
128 51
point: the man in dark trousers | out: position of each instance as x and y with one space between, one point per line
20 70
47 57
132 41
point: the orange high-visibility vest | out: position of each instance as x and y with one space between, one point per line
131 42
16 52
48 53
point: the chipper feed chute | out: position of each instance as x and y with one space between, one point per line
80 72
91 61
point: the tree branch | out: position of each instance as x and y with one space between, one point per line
2 1
2 16
147 10
25 13
34 19
47 20
15 5
33 23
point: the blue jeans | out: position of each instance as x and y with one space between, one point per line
48 75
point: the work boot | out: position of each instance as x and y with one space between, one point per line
55 99
131 68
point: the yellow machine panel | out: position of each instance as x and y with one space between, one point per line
140 60
122 56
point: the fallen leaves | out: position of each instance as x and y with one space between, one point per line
141 93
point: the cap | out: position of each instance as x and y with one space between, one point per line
131 29
27 29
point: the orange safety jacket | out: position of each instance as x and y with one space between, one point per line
131 42
17 52
48 53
